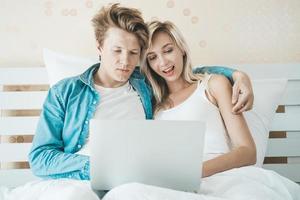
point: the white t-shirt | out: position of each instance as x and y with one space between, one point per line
116 103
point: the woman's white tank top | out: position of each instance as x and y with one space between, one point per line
198 107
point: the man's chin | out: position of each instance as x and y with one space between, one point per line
123 79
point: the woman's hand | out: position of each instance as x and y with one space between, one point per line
242 93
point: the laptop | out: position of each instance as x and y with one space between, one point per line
153 152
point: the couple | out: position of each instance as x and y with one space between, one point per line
116 89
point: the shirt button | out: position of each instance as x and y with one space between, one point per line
94 102
79 146
86 122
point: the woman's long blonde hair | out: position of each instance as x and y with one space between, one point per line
158 84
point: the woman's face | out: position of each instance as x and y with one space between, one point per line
165 58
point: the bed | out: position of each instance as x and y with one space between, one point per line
22 92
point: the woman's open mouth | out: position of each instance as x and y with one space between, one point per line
169 71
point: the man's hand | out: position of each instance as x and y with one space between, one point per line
242 93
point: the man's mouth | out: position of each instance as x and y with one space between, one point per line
124 70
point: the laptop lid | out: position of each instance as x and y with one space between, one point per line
161 153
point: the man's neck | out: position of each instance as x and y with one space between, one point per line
101 78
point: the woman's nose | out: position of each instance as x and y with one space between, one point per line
162 61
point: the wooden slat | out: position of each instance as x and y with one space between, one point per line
23 88
291 171
22 113
22 100
23 76
280 109
15 165
14 152
277 134
286 122
16 138
283 147
16 177
273 160
273 70
18 125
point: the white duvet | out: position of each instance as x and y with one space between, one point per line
250 183
237 184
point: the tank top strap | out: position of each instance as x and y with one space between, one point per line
203 84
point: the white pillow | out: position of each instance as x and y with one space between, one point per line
267 96
60 66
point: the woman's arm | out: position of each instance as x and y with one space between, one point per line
242 96
243 150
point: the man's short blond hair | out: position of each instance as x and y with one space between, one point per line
128 19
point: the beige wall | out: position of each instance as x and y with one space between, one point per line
218 31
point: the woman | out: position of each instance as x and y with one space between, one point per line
181 95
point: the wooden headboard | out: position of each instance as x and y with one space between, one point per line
23 90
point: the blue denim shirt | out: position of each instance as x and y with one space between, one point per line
64 123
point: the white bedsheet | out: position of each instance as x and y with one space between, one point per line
63 189
250 183
3 192
237 184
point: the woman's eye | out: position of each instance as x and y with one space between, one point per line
151 57
169 50
117 50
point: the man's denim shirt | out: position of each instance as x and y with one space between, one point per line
64 123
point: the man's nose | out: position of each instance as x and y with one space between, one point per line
124 59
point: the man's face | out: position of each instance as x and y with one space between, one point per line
120 54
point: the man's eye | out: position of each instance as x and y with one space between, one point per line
134 53
117 50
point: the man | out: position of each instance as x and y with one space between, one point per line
113 90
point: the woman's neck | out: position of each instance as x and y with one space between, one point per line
178 85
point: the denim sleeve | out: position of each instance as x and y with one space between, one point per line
47 158
228 72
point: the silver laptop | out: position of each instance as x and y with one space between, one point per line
161 153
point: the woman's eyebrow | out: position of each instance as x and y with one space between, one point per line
151 52
167 44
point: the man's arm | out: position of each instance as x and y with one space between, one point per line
242 93
47 157
225 71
